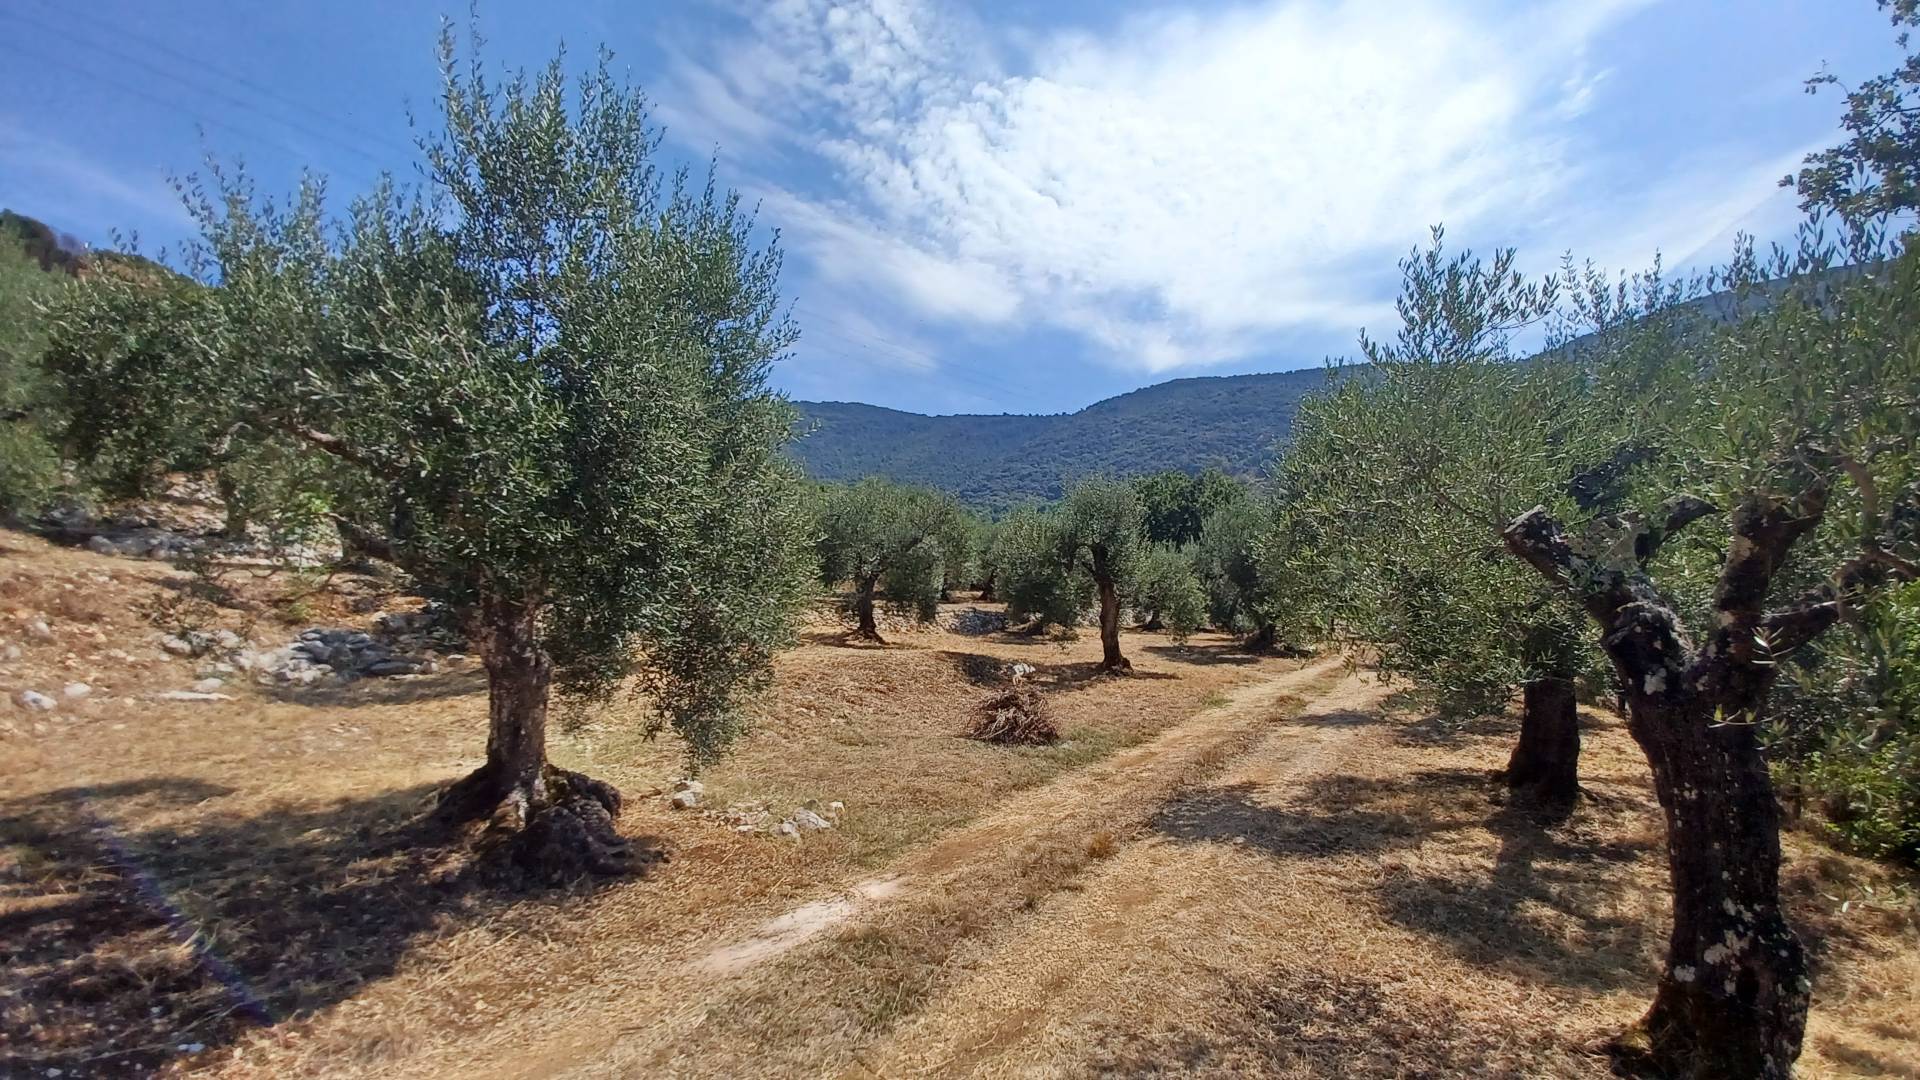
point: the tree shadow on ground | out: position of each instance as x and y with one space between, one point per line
1548 907
1205 655
138 917
1868 1062
849 638
1305 1022
980 669
363 692
1086 674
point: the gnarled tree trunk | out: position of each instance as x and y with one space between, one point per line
1110 658
863 608
986 590
1733 994
1545 766
549 822
1732 999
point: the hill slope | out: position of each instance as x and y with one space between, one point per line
1231 421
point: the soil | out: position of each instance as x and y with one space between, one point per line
1229 865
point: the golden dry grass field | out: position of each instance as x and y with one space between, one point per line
1229 866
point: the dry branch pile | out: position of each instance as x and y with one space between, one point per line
1017 717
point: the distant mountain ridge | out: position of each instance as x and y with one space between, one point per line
1230 421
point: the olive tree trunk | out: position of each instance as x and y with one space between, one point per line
863 608
1110 658
1733 993
547 821
1545 766
233 507
1264 639
1732 998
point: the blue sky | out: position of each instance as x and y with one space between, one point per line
1019 206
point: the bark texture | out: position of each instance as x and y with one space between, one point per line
1545 766
1733 993
542 821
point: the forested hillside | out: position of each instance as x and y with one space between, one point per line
995 461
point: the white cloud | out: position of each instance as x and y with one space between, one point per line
1177 191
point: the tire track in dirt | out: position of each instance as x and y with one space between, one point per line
680 1001
1152 916
1065 797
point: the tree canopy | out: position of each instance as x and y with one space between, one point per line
905 541
541 381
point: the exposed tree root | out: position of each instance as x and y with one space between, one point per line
1015 717
551 832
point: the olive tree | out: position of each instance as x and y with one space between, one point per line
1165 593
1264 575
1054 563
1039 590
1176 503
29 462
882 535
1874 174
545 377
1795 429
1405 471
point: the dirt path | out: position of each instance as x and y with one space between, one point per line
1180 903
701 1014
1069 797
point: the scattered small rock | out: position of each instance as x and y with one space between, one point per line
788 830
190 695
192 643
74 691
209 684
35 701
38 630
807 821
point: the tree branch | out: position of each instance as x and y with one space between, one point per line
1638 630
338 447
1819 608
1765 528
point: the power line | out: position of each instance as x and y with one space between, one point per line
150 98
203 64
239 103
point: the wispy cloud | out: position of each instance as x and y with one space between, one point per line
66 186
1185 188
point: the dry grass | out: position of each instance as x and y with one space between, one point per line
249 875
1181 884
